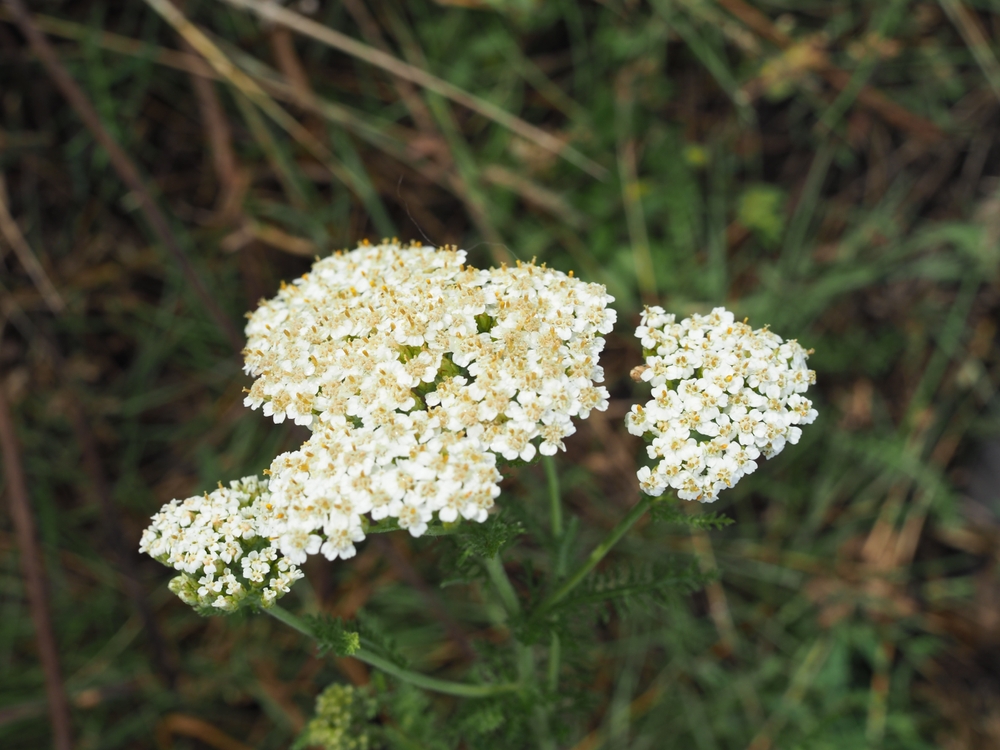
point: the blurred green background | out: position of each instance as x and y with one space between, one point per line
827 167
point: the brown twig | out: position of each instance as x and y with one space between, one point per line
288 62
34 578
199 729
123 45
392 139
246 85
122 164
462 178
233 180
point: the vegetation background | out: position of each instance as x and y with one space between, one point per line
829 167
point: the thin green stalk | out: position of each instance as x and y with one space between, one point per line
599 553
282 614
461 689
539 714
558 570
628 175
555 501
555 654
498 577
793 259
524 655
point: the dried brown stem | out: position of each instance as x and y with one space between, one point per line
122 164
191 726
34 578
288 62
232 179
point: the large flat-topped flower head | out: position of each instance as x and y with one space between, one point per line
416 374
723 395
386 328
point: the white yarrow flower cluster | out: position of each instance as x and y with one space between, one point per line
723 395
416 373
216 542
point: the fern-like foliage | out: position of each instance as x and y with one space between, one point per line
333 636
489 539
375 638
669 510
626 587
498 723
476 541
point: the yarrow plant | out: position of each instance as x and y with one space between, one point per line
723 396
419 378
416 373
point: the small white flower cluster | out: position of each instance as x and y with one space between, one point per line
415 373
723 395
216 542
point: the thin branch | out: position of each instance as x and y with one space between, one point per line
232 178
448 687
390 138
34 578
288 62
123 45
463 176
123 165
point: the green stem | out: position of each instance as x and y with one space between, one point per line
555 501
501 582
524 655
599 553
461 689
559 569
555 649
282 614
